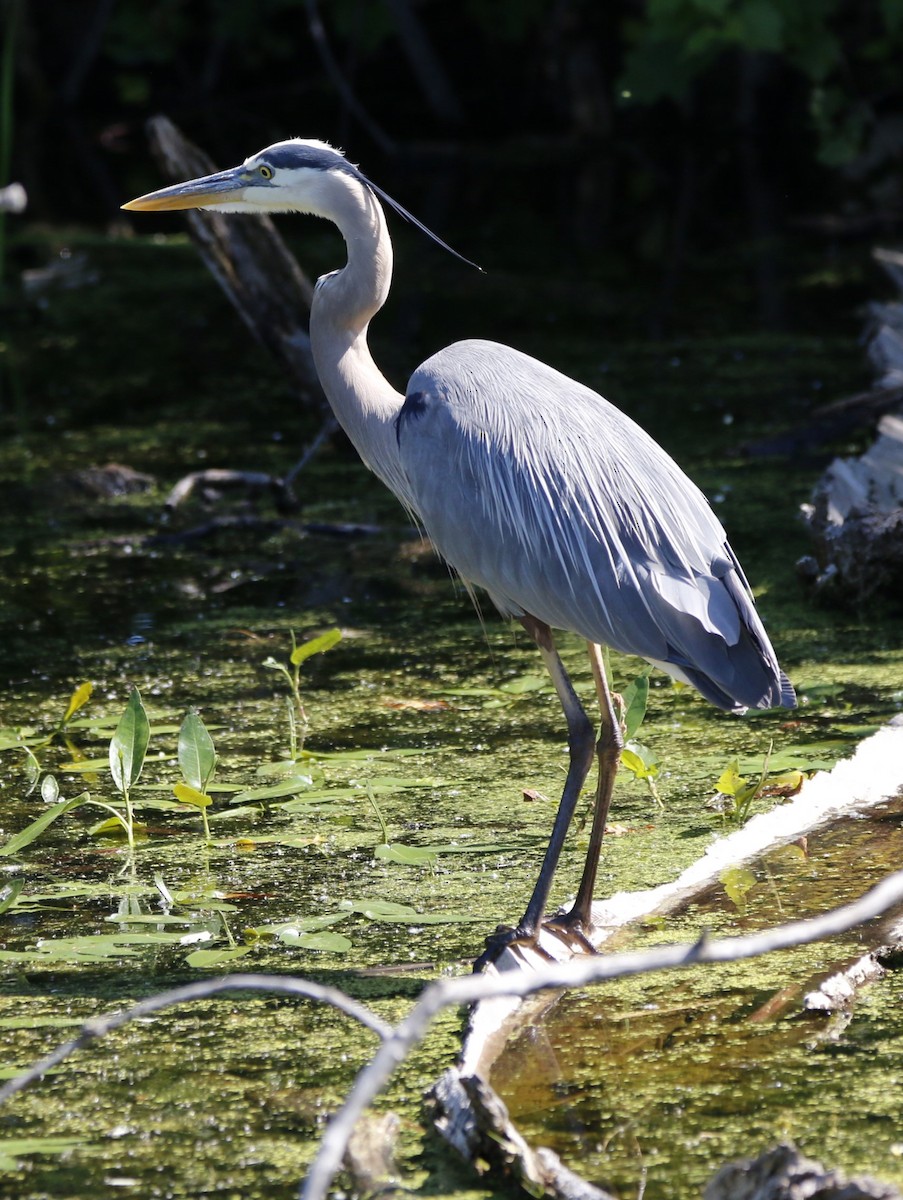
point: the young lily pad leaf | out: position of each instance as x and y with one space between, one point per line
301 925
33 1022
288 787
524 684
27 835
12 1149
84 766
128 745
229 814
317 645
410 856
640 760
216 958
387 910
197 756
333 943
730 781
252 841
469 848
84 949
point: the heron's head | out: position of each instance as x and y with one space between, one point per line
285 177
293 176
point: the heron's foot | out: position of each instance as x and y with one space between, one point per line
504 937
567 927
572 927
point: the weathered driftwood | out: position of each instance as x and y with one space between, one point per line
251 263
218 477
838 991
784 1174
856 520
855 785
856 514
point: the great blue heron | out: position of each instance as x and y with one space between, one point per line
530 485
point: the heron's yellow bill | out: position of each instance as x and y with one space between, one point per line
220 188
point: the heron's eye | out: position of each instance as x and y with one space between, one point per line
264 171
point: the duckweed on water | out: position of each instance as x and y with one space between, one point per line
448 724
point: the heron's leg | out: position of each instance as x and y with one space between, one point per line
609 747
580 743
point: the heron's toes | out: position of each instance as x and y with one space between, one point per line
566 927
571 929
504 937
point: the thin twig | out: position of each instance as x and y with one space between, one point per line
577 973
340 83
326 430
100 1026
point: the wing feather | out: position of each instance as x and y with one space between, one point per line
535 488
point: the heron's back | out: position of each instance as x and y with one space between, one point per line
535 488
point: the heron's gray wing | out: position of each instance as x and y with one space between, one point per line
540 491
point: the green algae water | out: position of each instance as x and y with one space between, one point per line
437 717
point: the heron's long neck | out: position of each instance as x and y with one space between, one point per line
364 402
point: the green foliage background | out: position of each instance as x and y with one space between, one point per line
627 85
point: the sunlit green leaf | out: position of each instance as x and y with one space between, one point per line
635 698
27 835
640 760
186 794
317 645
738 882
77 700
128 745
9 893
114 825
730 781
197 756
